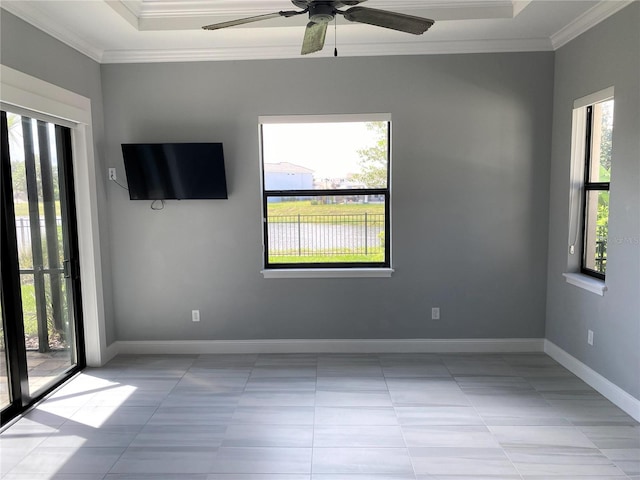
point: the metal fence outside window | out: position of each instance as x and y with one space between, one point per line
602 233
306 235
23 232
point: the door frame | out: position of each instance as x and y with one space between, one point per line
61 106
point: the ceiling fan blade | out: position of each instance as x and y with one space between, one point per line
314 37
257 18
392 20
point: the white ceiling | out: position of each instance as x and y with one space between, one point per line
124 31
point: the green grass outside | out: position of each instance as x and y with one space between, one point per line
29 310
22 209
29 315
308 208
375 255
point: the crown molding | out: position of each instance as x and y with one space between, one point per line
159 15
126 11
34 16
587 20
519 6
167 8
352 50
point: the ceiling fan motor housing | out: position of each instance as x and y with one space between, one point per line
321 12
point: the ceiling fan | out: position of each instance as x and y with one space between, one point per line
321 12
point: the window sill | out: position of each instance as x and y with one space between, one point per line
328 273
593 285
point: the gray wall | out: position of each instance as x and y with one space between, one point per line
607 55
31 51
471 215
471 148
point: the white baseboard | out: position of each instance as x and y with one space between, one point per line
497 345
98 359
612 392
111 351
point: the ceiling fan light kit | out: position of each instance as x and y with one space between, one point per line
321 12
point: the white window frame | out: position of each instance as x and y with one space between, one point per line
352 272
575 243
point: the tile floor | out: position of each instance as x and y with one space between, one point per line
324 417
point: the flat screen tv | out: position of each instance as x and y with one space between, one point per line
175 171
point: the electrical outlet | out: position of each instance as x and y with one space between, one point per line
112 174
195 315
590 337
435 313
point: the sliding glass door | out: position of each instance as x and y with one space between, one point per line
40 287
5 398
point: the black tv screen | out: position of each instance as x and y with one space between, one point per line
175 171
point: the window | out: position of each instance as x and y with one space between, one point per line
326 192
599 129
592 147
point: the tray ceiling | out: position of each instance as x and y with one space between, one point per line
122 31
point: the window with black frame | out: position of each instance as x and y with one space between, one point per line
598 142
326 191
